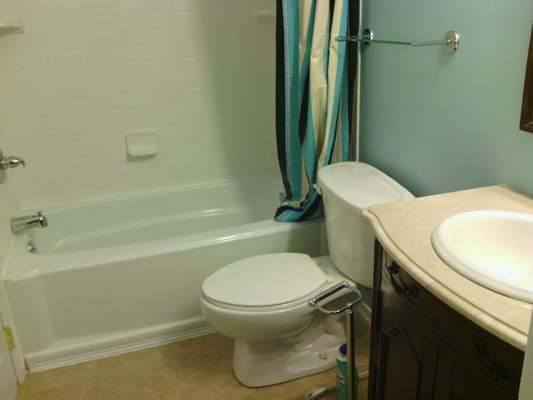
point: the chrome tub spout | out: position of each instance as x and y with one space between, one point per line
21 224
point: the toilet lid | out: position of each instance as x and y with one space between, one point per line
360 185
265 280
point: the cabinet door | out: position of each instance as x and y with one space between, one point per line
457 379
405 355
406 370
421 349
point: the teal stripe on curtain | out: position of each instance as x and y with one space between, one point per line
335 132
314 96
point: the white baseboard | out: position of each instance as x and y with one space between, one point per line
74 351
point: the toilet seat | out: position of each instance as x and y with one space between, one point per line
265 281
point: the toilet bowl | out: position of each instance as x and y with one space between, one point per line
261 301
278 336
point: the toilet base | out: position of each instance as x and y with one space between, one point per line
268 362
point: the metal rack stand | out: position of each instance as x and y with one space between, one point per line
346 304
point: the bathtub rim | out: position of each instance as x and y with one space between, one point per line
29 265
69 205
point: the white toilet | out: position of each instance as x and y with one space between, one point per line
261 301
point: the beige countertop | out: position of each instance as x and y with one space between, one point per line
404 229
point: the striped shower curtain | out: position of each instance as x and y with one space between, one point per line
314 95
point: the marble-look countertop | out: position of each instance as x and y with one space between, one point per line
404 229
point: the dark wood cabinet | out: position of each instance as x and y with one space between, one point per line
422 349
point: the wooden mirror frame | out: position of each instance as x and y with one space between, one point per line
526 119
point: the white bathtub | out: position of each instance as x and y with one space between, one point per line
123 274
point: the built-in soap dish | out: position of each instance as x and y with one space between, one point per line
142 144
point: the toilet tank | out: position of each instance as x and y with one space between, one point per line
347 189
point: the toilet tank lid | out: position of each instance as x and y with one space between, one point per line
360 185
265 280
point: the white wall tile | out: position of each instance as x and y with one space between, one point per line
184 5
9 206
145 7
186 50
91 8
87 72
49 8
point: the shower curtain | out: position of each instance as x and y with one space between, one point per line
314 96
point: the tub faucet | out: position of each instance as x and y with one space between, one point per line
20 224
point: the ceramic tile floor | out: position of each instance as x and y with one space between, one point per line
198 368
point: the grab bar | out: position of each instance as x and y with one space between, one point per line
450 41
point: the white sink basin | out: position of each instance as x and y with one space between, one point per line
492 248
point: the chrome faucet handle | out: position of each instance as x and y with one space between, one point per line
10 162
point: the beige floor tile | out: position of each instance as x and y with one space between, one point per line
201 378
325 378
199 368
58 377
204 346
162 379
286 391
80 391
233 390
146 384
121 387
207 392
175 394
130 362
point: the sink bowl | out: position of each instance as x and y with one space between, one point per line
492 248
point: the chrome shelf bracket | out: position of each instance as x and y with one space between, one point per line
450 42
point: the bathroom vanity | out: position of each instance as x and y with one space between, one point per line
425 350
436 334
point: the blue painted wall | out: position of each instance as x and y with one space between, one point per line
438 122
